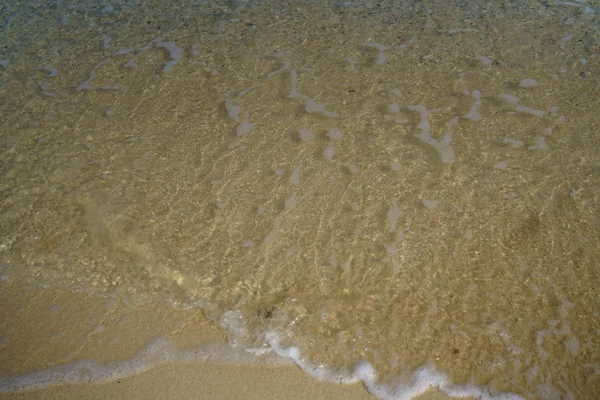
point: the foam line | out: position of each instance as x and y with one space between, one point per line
159 350
422 380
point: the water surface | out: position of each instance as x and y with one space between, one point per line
366 186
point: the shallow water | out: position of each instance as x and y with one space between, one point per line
407 184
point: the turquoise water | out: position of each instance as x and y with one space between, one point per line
377 189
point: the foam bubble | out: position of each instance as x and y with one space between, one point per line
485 60
293 91
295 177
86 85
540 144
335 134
513 142
528 82
443 147
430 204
329 152
244 128
393 214
381 57
312 107
509 97
233 110
529 110
306 135
175 53
474 114
396 166
291 201
286 65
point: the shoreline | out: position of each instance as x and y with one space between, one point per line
49 331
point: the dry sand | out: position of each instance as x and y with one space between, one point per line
45 327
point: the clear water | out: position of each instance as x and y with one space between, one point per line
401 183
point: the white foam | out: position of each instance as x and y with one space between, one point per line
295 177
513 142
233 110
381 48
312 106
459 30
123 52
422 380
394 108
175 53
485 60
509 97
352 62
474 114
567 38
519 108
393 214
443 147
149 45
293 91
108 9
396 92
195 51
529 110
244 128
501 165
291 201
306 135
528 82
286 65
347 268
540 144
158 351
408 42
430 204
86 85
335 134
131 63
333 260
574 192
44 89
329 152
396 166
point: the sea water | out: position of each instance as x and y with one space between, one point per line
400 192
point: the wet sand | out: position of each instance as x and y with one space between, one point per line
46 327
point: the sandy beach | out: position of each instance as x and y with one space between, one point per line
45 328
